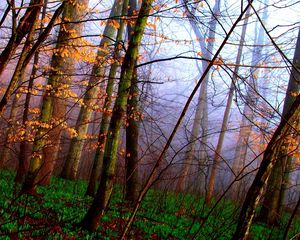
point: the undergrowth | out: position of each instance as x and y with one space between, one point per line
162 215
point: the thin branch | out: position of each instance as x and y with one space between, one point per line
186 106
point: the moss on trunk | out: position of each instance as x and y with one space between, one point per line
100 202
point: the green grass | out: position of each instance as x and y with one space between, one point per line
162 215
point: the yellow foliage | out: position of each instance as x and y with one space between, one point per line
151 25
114 23
72 132
34 110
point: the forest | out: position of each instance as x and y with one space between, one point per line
143 119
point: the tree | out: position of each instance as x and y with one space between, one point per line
132 129
28 50
63 65
59 64
6 150
123 92
24 146
20 31
271 209
100 202
17 79
217 156
201 118
251 100
153 172
98 159
71 165
132 136
287 127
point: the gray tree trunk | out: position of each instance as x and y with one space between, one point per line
98 159
251 100
200 120
218 151
61 77
70 170
271 209
40 167
101 200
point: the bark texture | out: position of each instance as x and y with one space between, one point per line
132 129
70 170
271 209
132 140
285 128
60 78
98 159
100 202
40 167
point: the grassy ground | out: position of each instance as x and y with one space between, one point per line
162 216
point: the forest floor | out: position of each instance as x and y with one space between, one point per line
162 216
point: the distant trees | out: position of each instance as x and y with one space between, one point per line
250 100
201 118
224 126
273 162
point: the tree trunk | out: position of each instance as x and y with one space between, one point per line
285 129
59 64
251 100
24 26
70 169
7 148
24 145
181 184
132 136
17 79
26 56
98 159
202 106
132 129
217 156
271 209
61 77
100 202
200 115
